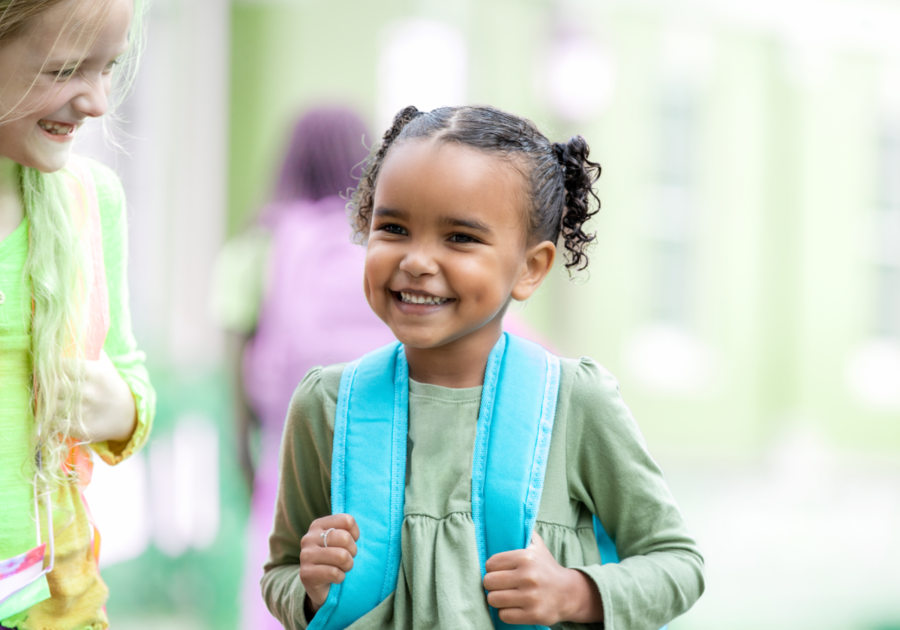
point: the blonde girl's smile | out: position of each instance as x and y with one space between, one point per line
58 131
51 83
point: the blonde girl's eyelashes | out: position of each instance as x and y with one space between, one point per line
65 73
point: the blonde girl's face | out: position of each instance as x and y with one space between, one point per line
57 74
447 244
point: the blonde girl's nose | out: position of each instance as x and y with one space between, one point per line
93 100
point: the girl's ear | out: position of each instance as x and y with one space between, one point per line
538 263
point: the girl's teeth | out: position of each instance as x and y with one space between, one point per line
56 129
415 298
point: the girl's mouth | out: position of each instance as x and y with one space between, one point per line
58 129
411 303
420 298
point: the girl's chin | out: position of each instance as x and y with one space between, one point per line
419 339
50 162
430 339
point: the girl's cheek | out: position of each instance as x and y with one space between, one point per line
374 274
367 291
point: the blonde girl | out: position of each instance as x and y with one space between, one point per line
70 369
465 478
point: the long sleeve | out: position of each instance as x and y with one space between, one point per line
120 344
304 492
610 471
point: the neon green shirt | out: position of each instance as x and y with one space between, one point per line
17 527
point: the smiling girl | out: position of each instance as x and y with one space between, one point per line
70 370
466 478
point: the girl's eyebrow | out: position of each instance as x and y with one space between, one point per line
390 213
62 60
472 224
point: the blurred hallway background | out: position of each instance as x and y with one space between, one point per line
745 288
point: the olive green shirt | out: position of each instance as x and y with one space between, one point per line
598 464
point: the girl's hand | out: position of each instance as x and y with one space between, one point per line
320 567
528 586
107 409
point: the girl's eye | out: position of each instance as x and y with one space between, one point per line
392 228
64 73
463 238
111 65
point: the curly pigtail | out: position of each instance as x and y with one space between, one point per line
364 196
579 174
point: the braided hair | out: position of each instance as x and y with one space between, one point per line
559 176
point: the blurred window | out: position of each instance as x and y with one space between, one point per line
421 62
888 235
184 486
571 56
670 228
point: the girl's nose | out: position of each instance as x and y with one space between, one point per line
417 263
93 101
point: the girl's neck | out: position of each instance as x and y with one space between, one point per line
11 209
457 364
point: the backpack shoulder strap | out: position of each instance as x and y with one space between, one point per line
512 443
370 430
515 425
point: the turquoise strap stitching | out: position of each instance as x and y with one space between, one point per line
542 449
400 427
338 481
338 464
479 457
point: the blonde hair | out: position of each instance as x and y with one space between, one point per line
16 15
56 260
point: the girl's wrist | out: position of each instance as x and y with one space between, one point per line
309 608
125 428
585 604
121 415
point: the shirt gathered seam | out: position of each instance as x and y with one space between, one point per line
445 401
469 514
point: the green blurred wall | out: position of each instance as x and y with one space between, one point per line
781 290
286 57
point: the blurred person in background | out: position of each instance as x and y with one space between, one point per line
70 369
289 290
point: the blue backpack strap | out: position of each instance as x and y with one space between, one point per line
512 443
608 553
515 425
370 430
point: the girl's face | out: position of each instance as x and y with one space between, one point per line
448 244
57 74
